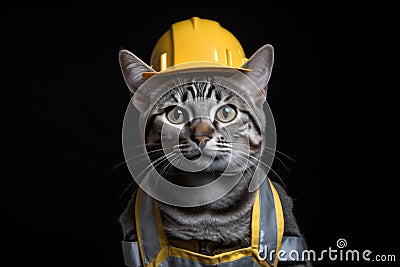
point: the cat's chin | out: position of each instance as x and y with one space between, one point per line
203 172
192 179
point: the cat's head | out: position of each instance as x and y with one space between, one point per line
201 122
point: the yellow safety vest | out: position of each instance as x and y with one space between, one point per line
152 248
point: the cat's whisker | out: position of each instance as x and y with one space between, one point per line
269 167
181 159
125 190
172 162
238 161
157 154
164 158
186 150
138 155
180 145
131 158
224 145
239 164
229 174
158 161
275 156
247 158
148 153
169 162
143 145
261 162
245 146
228 151
212 171
281 153
116 166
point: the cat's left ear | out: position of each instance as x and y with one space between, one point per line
260 64
132 69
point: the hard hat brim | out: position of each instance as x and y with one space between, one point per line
194 65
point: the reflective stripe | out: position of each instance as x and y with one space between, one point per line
293 247
268 224
279 218
224 257
148 228
177 261
245 262
131 254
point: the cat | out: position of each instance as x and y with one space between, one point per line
225 222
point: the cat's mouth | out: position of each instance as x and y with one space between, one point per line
193 166
193 178
196 153
193 154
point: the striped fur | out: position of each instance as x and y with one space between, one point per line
195 96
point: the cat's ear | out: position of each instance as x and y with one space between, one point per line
260 64
132 69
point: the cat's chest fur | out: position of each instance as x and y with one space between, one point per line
214 226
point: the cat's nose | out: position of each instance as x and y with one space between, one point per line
202 131
201 139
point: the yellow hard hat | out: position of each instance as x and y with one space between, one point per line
200 41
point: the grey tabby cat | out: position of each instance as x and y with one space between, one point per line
224 223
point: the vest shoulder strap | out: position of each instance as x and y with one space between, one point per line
271 222
292 249
131 254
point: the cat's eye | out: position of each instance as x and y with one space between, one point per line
225 114
177 115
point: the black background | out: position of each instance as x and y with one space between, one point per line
63 102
